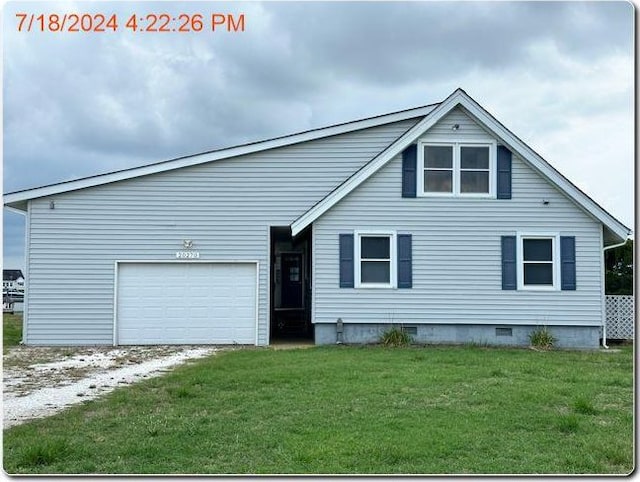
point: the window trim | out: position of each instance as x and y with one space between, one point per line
456 171
393 255
555 252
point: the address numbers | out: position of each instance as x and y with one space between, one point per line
187 254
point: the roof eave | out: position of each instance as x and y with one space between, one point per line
15 198
377 162
611 237
19 207
460 98
579 197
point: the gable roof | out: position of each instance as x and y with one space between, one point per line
18 200
460 98
614 230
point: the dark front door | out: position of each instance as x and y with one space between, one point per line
292 280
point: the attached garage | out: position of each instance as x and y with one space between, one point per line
185 303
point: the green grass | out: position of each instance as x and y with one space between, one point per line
351 410
11 329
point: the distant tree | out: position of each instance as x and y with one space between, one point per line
619 269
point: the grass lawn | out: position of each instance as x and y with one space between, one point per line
11 329
351 410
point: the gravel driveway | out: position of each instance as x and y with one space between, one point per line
40 381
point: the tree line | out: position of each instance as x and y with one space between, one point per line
619 269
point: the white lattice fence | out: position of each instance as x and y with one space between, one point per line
620 317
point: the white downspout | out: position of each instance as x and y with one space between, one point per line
604 299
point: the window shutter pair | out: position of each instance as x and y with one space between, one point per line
404 261
567 263
410 167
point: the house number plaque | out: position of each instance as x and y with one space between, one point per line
187 254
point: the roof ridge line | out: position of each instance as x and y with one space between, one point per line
228 148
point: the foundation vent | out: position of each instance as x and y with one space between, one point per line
410 330
504 332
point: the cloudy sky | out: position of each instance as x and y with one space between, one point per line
558 74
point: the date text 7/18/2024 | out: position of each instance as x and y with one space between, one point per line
148 23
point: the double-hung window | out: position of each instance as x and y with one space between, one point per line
375 260
438 169
456 169
474 169
539 260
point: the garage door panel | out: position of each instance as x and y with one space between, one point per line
186 303
175 311
198 312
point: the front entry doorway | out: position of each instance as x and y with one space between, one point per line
291 268
290 299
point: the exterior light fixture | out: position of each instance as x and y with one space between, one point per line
455 127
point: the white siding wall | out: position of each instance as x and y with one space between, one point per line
456 251
225 207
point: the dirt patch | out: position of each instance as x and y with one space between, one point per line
26 369
39 381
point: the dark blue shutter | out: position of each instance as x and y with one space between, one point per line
404 261
509 263
346 261
409 163
568 262
504 173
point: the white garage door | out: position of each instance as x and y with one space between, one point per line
186 303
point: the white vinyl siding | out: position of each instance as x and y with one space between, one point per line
457 253
226 207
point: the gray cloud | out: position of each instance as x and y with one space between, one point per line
13 240
394 42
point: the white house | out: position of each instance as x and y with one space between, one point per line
436 218
12 281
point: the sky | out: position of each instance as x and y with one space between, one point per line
560 75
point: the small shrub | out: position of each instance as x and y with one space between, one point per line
395 337
542 338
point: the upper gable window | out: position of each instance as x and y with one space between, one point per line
438 169
456 169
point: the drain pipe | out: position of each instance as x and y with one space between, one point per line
604 300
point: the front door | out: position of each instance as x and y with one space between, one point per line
292 280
